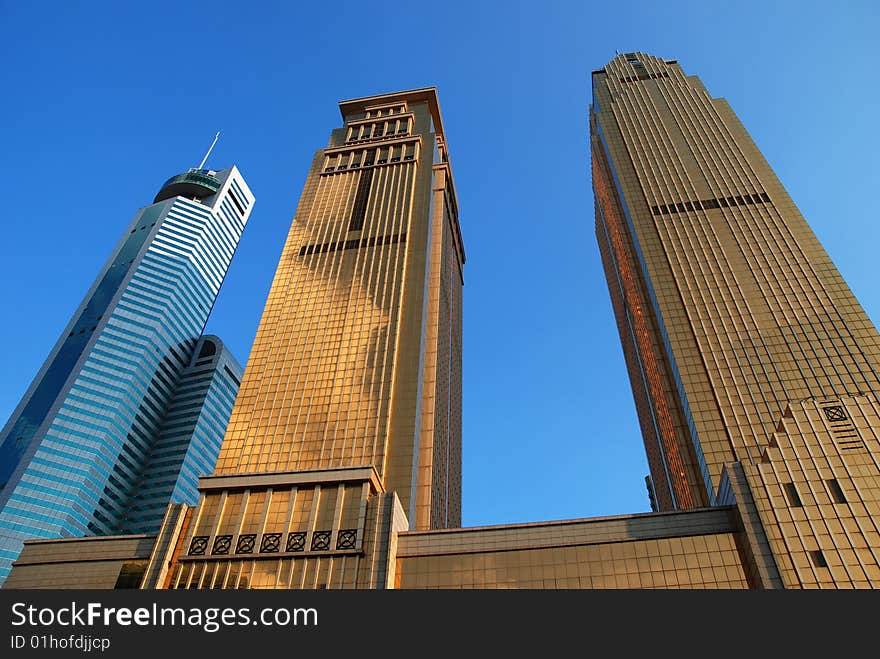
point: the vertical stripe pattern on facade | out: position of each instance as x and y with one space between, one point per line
364 306
747 294
775 363
347 425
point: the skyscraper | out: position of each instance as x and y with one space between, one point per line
73 454
348 419
188 441
745 347
753 368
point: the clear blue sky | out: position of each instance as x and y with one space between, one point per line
102 101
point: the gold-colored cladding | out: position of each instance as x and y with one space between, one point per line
351 364
347 425
693 549
755 312
711 563
758 324
818 494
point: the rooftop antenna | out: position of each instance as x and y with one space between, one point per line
210 148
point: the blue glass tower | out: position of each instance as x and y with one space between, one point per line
75 455
189 438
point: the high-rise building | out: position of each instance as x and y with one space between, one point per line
744 344
754 373
100 411
189 437
348 418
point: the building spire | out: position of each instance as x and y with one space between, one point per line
210 148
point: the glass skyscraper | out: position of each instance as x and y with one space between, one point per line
189 438
75 456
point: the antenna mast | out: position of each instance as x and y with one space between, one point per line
210 148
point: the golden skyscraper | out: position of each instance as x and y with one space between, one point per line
353 386
743 342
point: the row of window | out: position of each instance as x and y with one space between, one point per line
354 243
369 157
378 130
367 163
645 76
387 110
143 228
834 489
707 204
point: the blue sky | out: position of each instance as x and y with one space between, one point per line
104 101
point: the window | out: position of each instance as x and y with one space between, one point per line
792 495
208 349
359 210
836 492
818 558
238 204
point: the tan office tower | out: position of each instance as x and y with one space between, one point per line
352 392
743 342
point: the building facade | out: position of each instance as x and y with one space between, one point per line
74 453
348 419
754 373
744 345
188 441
